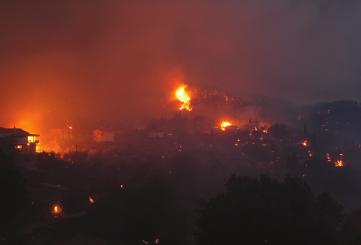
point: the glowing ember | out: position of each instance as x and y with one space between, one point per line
339 164
56 209
310 154
328 157
91 200
183 96
224 125
305 143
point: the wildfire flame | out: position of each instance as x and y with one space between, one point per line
56 209
224 125
183 96
339 164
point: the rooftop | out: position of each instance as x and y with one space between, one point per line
15 132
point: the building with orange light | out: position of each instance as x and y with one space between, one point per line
18 139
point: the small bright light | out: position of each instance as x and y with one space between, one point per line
91 200
56 209
305 143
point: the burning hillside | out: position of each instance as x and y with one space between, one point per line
212 105
207 137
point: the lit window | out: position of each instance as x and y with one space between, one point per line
33 139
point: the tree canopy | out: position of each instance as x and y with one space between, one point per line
266 211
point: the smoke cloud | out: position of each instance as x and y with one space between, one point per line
98 61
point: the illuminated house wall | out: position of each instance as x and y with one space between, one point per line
17 139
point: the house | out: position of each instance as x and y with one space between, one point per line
18 139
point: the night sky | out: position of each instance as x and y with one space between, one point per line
115 60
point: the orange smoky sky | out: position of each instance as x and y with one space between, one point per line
86 62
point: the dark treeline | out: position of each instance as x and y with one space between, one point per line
141 203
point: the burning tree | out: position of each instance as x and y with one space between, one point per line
224 125
184 98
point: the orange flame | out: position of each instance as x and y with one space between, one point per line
56 209
224 125
183 96
339 164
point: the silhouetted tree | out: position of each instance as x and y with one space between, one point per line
147 213
280 131
265 211
351 231
14 202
